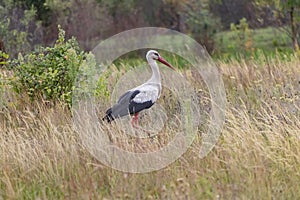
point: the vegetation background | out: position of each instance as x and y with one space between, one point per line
255 45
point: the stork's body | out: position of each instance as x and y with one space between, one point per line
142 97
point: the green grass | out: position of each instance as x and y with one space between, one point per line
269 41
257 156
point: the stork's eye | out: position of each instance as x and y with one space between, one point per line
156 54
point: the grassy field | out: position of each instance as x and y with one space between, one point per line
233 44
256 157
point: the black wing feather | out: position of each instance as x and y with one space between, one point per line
122 107
138 107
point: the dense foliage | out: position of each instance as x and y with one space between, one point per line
49 72
25 25
20 31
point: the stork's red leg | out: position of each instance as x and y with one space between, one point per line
134 120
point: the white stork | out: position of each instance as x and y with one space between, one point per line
142 97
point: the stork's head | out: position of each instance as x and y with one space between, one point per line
154 55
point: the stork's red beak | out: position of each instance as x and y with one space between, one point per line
163 61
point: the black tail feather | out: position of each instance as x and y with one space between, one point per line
108 117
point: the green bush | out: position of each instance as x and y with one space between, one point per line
89 82
19 29
202 24
243 35
3 58
49 72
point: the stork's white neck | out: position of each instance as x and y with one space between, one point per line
155 78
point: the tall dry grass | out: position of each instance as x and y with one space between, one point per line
257 156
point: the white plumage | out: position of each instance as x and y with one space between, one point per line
148 92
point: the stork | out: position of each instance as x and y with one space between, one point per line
141 97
